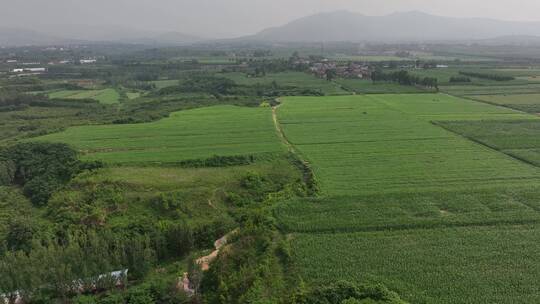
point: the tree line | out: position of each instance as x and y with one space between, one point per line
40 168
487 76
83 262
405 78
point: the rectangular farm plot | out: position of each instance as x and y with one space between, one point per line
191 134
493 204
387 143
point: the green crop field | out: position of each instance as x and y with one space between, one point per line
385 143
496 89
524 102
510 99
160 84
192 134
489 204
405 202
519 72
105 96
517 138
293 79
451 265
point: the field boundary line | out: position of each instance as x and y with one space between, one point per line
410 227
474 140
307 172
506 106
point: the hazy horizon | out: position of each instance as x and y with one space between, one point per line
225 19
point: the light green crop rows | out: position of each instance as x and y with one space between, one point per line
431 214
491 204
481 265
192 134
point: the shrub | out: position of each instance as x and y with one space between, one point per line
112 298
7 172
19 235
40 189
139 295
83 299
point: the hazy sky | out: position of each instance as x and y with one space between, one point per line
226 18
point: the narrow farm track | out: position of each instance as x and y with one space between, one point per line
307 171
280 132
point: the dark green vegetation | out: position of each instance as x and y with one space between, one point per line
487 76
144 159
41 169
404 78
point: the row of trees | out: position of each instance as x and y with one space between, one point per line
83 264
488 76
405 78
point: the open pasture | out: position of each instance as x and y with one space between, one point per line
105 96
191 134
387 143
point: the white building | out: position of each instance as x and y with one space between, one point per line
87 61
35 70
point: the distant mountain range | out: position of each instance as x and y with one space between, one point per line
69 34
398 27
324 27
17 37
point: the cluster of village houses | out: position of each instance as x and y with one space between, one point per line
354 69
321 67
351 70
